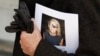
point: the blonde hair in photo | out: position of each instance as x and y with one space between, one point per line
58 32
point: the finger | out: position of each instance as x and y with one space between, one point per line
13 23
22 44
23 47
35 25
12 29
19 22
23 35
24 9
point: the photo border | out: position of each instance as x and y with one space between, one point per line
71 26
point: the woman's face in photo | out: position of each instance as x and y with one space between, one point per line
53 27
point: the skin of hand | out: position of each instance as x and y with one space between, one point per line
61 42
29 42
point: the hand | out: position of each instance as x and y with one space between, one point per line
29 42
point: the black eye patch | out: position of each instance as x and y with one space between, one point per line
54 26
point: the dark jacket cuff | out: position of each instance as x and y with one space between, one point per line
46 49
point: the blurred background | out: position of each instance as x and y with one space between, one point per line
6 16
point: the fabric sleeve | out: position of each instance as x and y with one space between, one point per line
46 49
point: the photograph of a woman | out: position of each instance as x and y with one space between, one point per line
52 31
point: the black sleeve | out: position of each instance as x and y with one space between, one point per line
46 49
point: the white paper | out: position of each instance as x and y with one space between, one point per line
70 24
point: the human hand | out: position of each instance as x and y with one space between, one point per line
29 42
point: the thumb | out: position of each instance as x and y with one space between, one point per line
35 25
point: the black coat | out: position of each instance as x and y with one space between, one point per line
89 27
